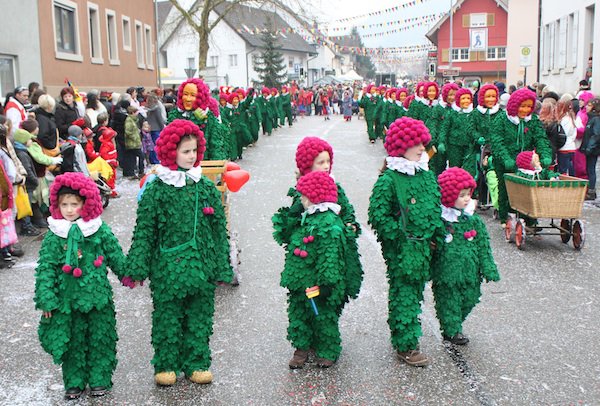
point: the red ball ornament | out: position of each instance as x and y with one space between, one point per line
297 252
67 268
77 272
303 254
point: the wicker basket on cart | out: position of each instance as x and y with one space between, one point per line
546 198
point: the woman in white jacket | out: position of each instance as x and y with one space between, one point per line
566 118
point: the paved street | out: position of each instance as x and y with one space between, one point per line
533 336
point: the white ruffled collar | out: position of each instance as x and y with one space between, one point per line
399 103
418 98
323 207
443 103
178 178
403 165
451 214
516 120
530 172
431 103
493 110
61 227
459 110
369 95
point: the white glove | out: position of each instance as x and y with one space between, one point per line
57 160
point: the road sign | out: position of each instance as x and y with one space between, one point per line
296 67
451 72
190 72
526 55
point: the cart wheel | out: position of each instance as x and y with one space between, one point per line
508 229
520 234
105 200
578 232
565 232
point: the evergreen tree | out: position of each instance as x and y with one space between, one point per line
364 65
270 64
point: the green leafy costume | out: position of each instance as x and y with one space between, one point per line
81 334
510 136
267 113
237 119
184 250
286 108
330 265
404 211
275 111
434 123
460 263
218 143
255 115
369 103
455 138
417 109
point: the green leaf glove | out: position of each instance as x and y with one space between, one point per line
441 148
481 140
510 164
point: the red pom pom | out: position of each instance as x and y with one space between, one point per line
67 268
310 238
303 254
297 252
77 272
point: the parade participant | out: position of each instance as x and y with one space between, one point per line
435 122
463 257
369 104
254 113
380 113
78 326
401 96
456 132
389 107
195 103
108 152
404 211
416 109
317 265
180 243
518 129
275 103
286 106
236 114
488 106
268 113
406 104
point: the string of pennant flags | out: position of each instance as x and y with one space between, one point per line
405 28
406 5
424 18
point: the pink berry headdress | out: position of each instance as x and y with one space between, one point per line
460 92
166 145
524 160
518 97
307 151
405 133
84 187
452 181
446 90
319 187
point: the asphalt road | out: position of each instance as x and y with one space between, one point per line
533 336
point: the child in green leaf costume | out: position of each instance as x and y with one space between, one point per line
195 103
286 106
455 137
266 107
237 118
435 122
369 104
78 326
516 131
463 257
404 211
180 243
316 273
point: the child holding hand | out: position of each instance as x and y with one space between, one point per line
318 262
72 290
463 257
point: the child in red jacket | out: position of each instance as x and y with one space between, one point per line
108 152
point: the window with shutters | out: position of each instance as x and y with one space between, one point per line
562 42
573 26
491 19
66 30
94 33
491 53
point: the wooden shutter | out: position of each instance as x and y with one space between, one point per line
562 44
491 19
466 20
574 37
473 55
481 55
445 56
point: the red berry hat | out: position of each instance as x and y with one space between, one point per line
485 88
408 101
400 91
223 96
166 145
518 97
284 88
524 160
274 90
460 92
452 181
203 97
446 90
405 133
381 89
266 90
369 88
419 85
232 96
437 89
307 151
80 184
319 187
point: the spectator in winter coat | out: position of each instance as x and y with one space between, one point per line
133 145
118 124
14 109
48 134
66 112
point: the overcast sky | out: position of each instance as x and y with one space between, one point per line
331 10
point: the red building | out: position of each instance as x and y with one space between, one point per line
478 43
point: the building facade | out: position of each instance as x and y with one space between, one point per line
568 50
479 40
522 44
100 44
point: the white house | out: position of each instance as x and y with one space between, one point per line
234 44
567 46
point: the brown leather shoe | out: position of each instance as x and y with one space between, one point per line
324 363
299 359
414 358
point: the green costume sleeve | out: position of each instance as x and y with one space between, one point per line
330 260
145 235
488 268
217 145
382 209
347 210
502 158
218 223
287 219
46 274
115 259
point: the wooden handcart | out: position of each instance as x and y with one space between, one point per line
561 201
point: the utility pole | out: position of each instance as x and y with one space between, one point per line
451 34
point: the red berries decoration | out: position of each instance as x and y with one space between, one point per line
77 272
307 151
98 261
308 240
451 182
405 133
208 211
67 268
319 187
469 235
